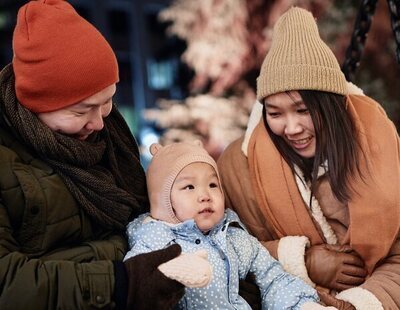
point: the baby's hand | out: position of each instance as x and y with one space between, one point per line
190 269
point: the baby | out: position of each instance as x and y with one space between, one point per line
187 208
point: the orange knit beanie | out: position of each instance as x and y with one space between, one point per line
59 58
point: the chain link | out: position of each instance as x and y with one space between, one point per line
356 47
361 28
394 8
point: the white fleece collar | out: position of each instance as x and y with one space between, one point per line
254 118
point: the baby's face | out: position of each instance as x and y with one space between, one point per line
196 194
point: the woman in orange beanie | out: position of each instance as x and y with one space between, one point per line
70 174
316 178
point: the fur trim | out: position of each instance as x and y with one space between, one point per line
360 298
316 211
354 89
255 116
315 306
291 251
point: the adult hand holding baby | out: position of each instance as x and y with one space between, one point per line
190 269
148 287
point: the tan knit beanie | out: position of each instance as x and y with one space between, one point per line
298 59
164 167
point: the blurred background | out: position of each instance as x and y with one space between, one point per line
188 67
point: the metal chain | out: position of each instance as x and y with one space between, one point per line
356 47
394 8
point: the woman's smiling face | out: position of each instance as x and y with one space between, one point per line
288 117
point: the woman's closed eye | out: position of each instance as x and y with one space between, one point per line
302 111
273 114
81 112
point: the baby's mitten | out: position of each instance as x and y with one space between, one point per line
190 269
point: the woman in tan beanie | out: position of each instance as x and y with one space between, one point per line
316 178
70 174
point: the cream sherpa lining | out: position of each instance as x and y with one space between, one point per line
254 118
316 211
360 298
291 251
315 306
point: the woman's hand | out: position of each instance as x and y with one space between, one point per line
148 287
336 267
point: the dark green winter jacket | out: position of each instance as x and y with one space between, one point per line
52 255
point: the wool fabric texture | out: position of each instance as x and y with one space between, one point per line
59 58
298 59
166 164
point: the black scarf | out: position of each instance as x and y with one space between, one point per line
103 173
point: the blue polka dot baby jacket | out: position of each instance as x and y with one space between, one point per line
233 253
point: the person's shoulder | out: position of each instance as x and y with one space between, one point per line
12 150
7 138
233 147
232 154
244 244
137 222
234 224
146 225
149 231
366 103
370 112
